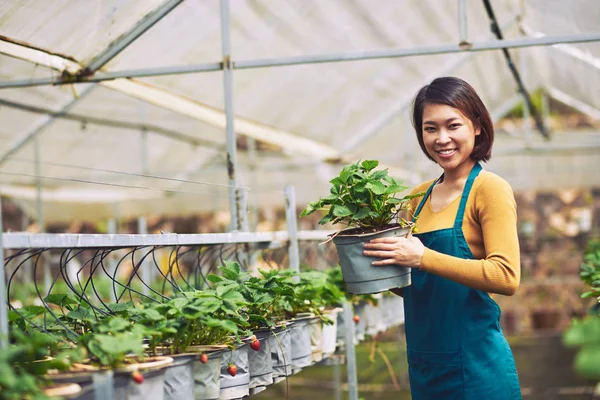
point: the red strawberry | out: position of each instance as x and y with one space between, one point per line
356 319
203 358
255 345
232 369
137 377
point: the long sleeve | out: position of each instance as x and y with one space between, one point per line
490 228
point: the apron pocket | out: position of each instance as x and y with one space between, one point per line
436 375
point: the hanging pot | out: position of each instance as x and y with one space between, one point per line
235 386
118 383
358 273
328 343
261 367
207 376
179 377
300 339
281 351
315 326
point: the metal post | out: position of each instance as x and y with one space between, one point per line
3 294
144 267
112 262
350 352
290 216
337 380
27 267
234 206
40 210
462 22
253 201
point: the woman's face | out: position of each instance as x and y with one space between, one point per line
449 136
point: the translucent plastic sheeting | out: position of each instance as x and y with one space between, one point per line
356 110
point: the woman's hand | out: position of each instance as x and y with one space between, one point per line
406 252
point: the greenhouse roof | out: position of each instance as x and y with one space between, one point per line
122 102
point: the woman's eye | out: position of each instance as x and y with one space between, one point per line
455 126
429 129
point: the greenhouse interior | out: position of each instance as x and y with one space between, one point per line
172 215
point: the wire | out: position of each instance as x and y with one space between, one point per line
127 173
110 184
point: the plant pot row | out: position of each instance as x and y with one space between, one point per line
212 372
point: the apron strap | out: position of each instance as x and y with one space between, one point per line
465 195
424 200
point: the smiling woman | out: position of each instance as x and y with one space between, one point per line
467 247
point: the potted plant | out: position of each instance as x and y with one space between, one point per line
365 201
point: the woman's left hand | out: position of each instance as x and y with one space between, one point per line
406 252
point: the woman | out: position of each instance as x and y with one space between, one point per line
466 248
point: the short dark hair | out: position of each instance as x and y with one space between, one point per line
456 93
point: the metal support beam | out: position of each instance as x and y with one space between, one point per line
234 193
498 32
350 351
145 266
317 58
158 130
384 118
84 241
129 37
570 101
41 126
462 23
567 49
291 217
3 294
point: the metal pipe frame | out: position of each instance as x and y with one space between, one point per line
44 124
3 295
113 123
234 193
80 241
462 22
125 40
319 58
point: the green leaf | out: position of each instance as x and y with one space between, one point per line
120 307
395 189
341 211
368 165
214 278
363 212
379 174
231 270
81 314
376 187
60 300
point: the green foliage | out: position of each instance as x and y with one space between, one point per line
24 364
362 197
585 333
590 274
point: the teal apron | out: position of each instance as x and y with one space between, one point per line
455 347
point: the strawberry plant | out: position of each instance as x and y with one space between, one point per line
24 364
585 333
363 197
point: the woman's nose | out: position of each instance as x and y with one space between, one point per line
443 137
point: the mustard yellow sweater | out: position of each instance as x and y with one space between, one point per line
490 229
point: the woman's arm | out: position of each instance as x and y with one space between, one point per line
500 270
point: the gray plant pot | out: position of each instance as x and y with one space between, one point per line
207 377
316 339
235 387
179 377
281 352
359 275
261 368
301 348
152 388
